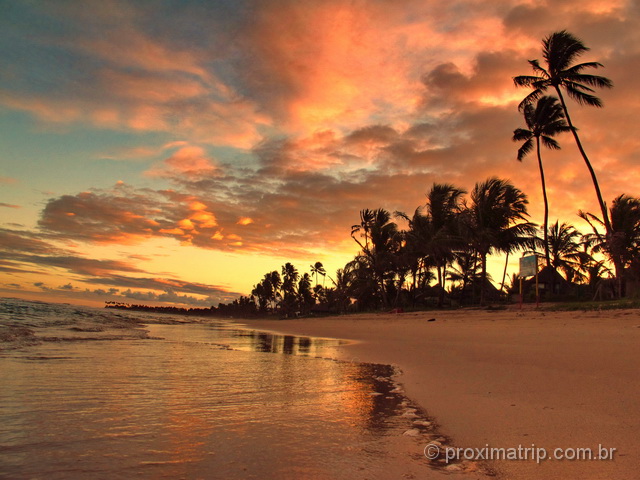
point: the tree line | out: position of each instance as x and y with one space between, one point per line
443 254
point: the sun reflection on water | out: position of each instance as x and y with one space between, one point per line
199 399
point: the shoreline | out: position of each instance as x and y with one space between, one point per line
507 378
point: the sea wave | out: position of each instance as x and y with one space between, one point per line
26 323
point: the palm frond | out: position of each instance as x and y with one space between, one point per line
560 49
526 80
555 127
525 149
590 218
549 142
399 214
577 86
521 134
531 98
591 80
583 98
576 69
535 65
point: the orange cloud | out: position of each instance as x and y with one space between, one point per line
188 161
244 221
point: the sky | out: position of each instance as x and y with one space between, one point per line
175 151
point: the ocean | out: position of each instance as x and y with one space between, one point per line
105 393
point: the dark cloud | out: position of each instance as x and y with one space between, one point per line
372 133
172 297
75 264
174 291
11 267
26 241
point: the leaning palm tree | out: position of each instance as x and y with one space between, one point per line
544 120
560 51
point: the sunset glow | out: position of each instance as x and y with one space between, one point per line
176 152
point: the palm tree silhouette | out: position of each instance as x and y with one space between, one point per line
544 120
318 269
434 234
622 245
560 50
381 242
496 220
566 250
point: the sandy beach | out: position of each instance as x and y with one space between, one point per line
510 378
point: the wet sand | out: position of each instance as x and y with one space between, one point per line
509 378
106 394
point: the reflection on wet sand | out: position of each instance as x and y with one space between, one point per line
204 401
256 341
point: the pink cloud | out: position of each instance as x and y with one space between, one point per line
189 162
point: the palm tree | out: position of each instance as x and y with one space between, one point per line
560 51
273 283
544 121
434 234
566 250
467 273
381 243
412 248
260 291
622 245
306 298
367 218
318 269
359 282
444 204
290 277
496 220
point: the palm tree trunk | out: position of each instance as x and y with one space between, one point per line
465 280
619 269
444 283
401 279
603 208
546 205
440 282
504 272
483 279
383 292
475 269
